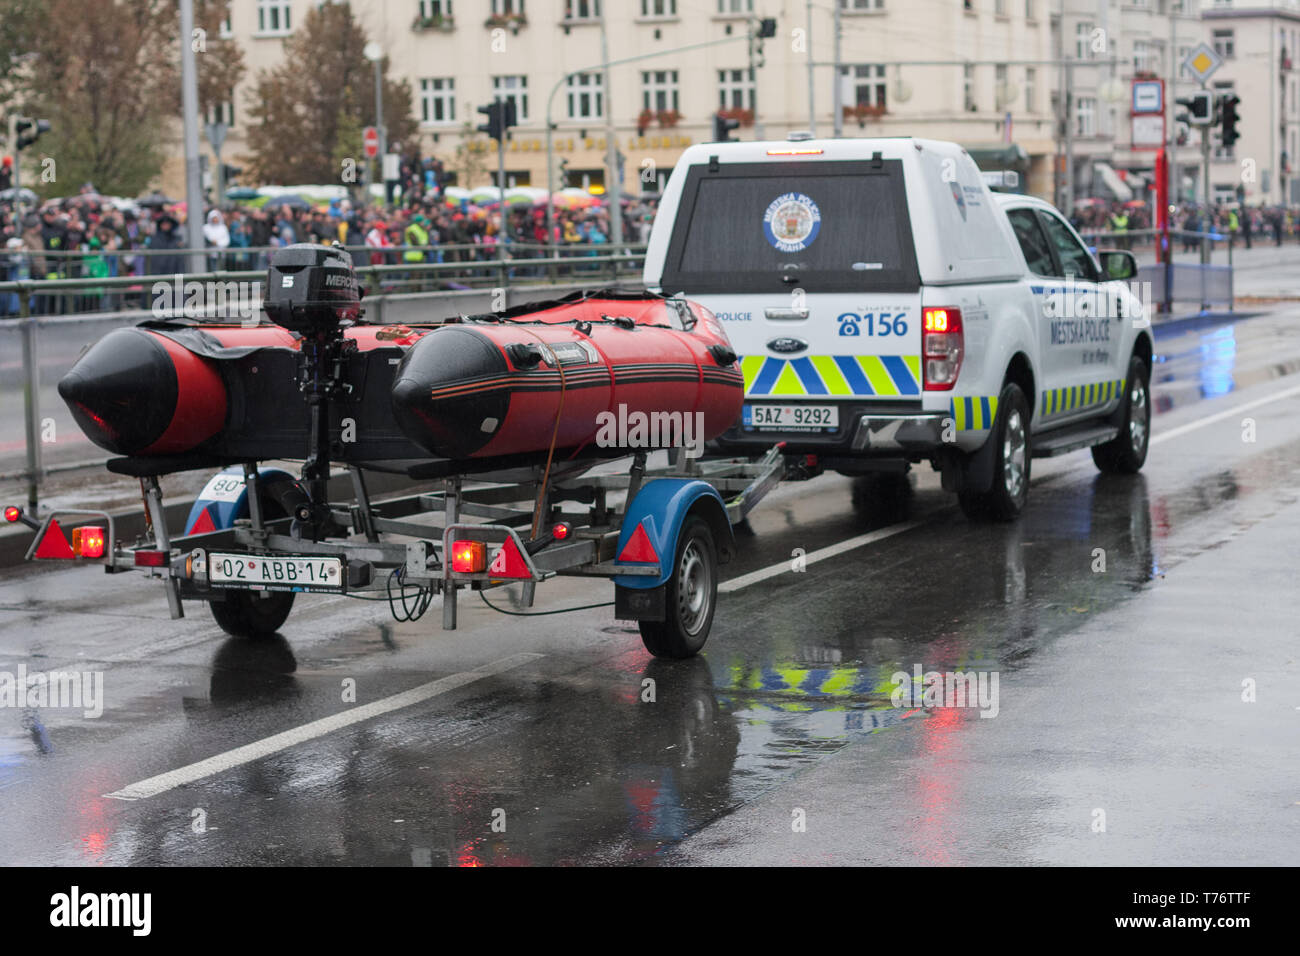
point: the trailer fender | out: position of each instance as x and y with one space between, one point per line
659 509
224 499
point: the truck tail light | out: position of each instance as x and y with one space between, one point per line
151 559
88 542
468 557
942 347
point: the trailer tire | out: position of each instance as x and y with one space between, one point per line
691 595
253 613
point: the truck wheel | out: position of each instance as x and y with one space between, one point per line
1127 452
1006 498
252 613
691 594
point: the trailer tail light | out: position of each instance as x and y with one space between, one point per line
12 514
88 542
942 347
150 559
638 547
468 557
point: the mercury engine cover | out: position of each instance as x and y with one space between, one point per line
312 288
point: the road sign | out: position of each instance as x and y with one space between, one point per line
1148 130
371 142
1148 96
1202 62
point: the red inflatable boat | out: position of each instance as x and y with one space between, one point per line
488 387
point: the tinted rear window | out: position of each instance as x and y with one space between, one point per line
826 226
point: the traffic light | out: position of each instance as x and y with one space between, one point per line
722 127
767 28
1229 117
28 131
501 116
1200 108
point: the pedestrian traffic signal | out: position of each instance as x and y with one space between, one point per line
28 131
501 115
1200 108
1229 118
722 127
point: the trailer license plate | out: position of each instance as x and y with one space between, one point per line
276 573
791 418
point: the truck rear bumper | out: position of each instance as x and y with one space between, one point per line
864 432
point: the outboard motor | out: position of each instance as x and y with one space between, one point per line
313 292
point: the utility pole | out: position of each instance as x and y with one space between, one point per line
1171 129
1207 224
501 184
812 108
614 190
1067 100
837 88
190 109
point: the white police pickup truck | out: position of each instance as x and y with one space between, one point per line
890 309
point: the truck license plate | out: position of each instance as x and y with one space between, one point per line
791 418
276 573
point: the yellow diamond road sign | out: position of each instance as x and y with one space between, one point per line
1202 61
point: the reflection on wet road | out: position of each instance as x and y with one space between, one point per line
596 752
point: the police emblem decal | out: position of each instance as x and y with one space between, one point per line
791 222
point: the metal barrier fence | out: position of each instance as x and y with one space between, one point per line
1205 284
37 433
464 264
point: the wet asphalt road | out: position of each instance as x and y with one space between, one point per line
1120 690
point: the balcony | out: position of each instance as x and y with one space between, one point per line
437 22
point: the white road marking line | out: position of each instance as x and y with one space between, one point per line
830 551
317 728
1226 413
764 574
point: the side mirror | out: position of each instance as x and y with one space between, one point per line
1117 264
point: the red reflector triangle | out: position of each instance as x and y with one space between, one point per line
509 563
638 547
203 523
54 544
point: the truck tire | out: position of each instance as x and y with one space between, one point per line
1126 453
252 613
1006 497
690 595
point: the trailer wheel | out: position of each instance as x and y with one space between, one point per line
691 594
253 613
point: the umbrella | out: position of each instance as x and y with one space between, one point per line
453 195
242 192
17 195
155 200
485 194
289 200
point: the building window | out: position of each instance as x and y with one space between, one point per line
861 6
1141 56
586 96
1184 71
1000 8
1085 116
435 8
968 88
658 8
227 28
731 7
968 5
1031 89
273 16
1225 43
582 9
1083 40
736 89
507 8
223 112
866 85
438 100
1030 13
513 88
659 90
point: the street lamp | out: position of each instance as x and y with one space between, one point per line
375 54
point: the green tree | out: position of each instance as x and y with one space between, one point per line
307 110
106 73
